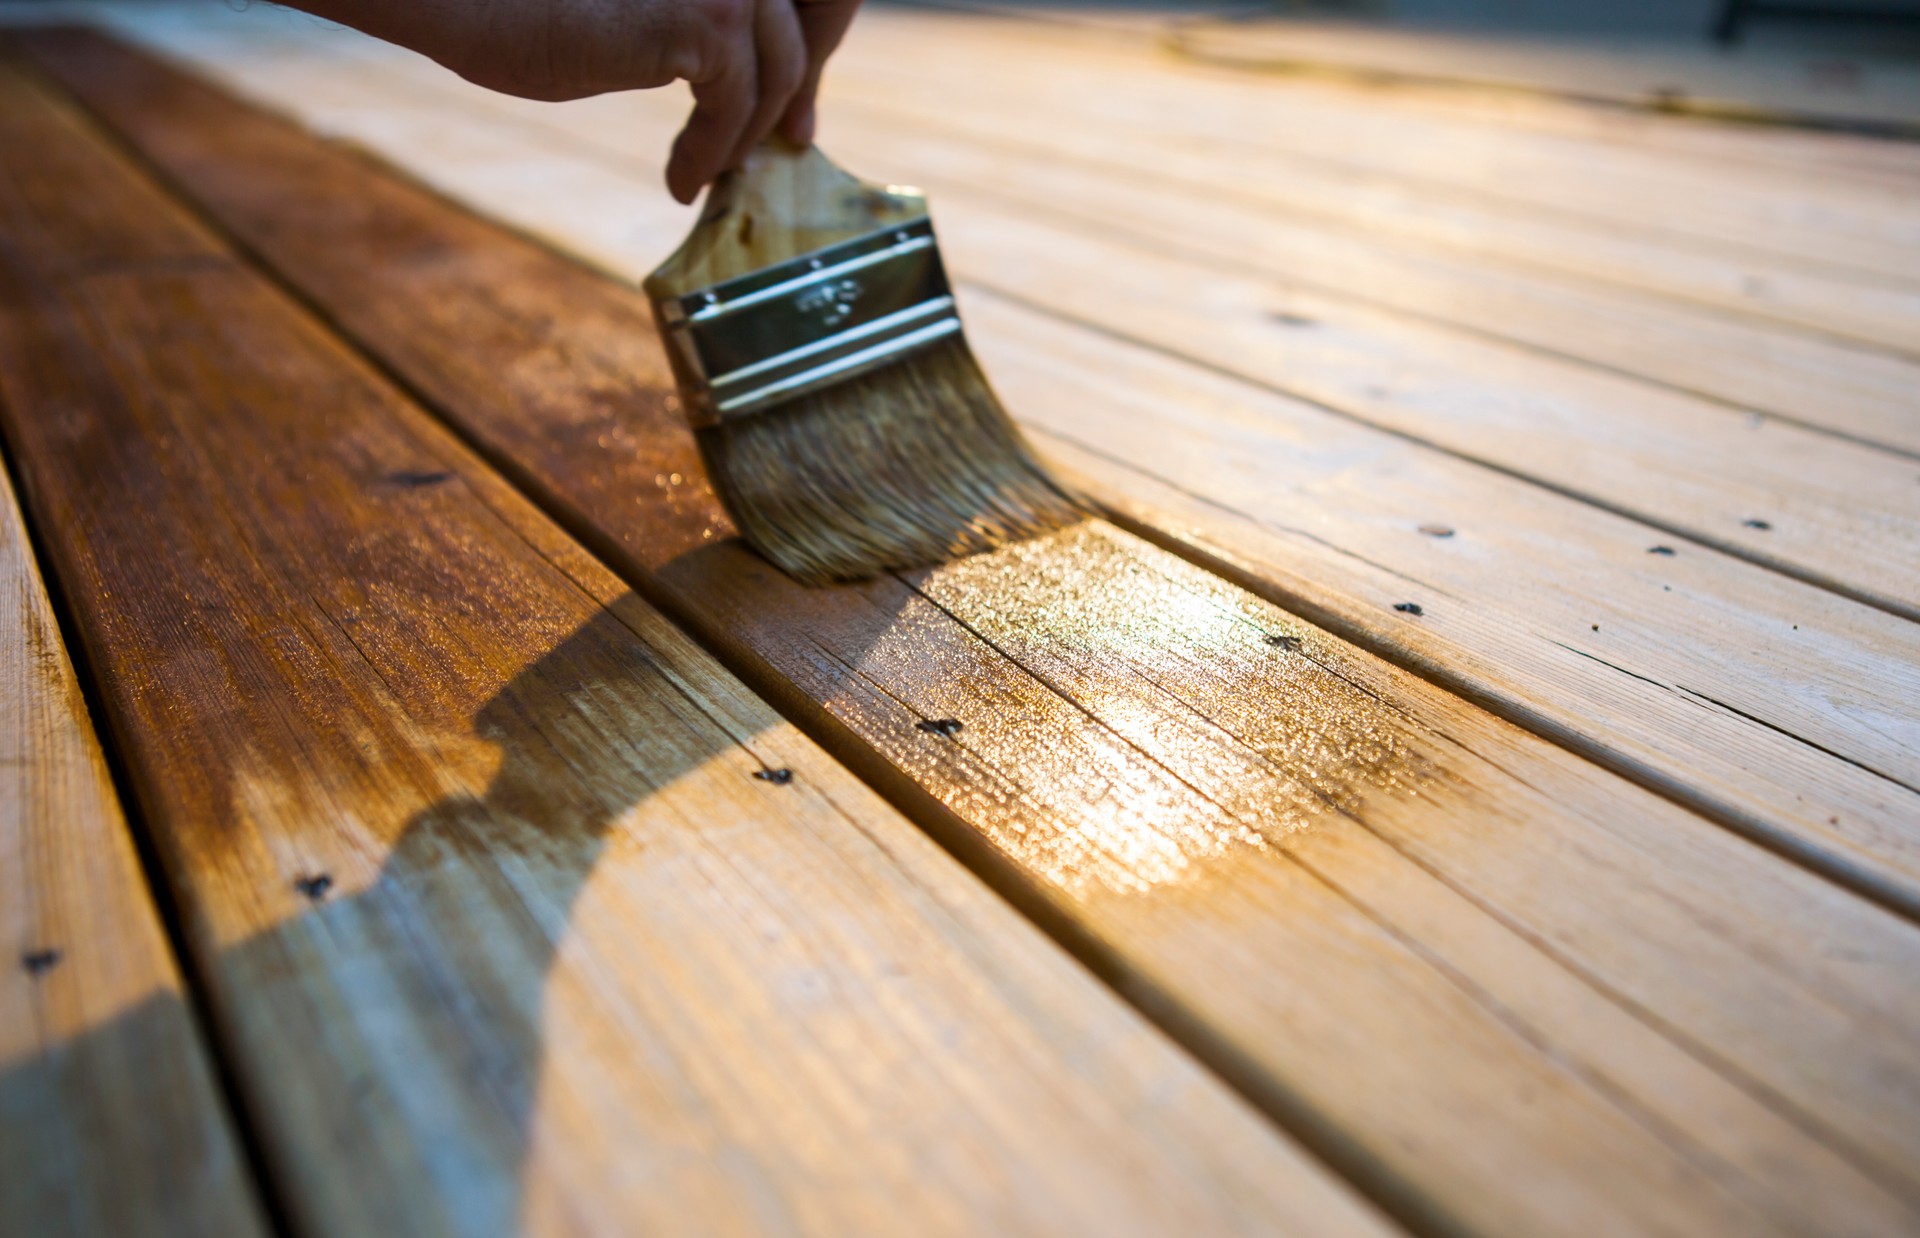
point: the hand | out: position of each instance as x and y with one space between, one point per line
752 63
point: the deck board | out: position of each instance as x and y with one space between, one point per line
1840 513
1796 726
503 929
109 1119
1843 227
1349 201
1476 915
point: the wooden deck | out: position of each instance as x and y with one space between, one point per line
1468 783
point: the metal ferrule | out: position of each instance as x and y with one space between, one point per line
752 342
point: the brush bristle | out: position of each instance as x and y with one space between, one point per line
908 466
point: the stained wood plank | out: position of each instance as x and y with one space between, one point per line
1841 514
1388 916
509 922
109 1119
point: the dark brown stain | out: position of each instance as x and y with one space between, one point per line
39 962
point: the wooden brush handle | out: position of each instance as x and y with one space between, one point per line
785 201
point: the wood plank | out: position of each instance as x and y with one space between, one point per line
1386 915
1769 746
109 1119
506 926
1839 514
1676 73
1189 193
1864 232
1876 163
1407 227
1767 703
1174 206
1853 161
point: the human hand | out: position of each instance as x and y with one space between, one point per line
752 64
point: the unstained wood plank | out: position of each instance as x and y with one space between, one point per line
519 914
1220 208
109 1119
1862 232
1388 916
1874 164
1404 230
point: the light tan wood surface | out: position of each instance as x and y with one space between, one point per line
1869 159
110 1122
1808 86
1400 226
1862 230
518 913
1387 916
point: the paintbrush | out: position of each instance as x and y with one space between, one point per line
820 360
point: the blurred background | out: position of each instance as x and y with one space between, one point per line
1836 64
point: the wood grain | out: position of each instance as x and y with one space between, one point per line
1866 233
1388 916
1792 723
520 915
109 1120
1215 210
1762 85
1868 163
1401 228
1792 498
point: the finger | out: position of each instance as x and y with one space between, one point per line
823 23
781 53
724 91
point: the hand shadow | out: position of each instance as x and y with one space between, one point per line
393 1033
